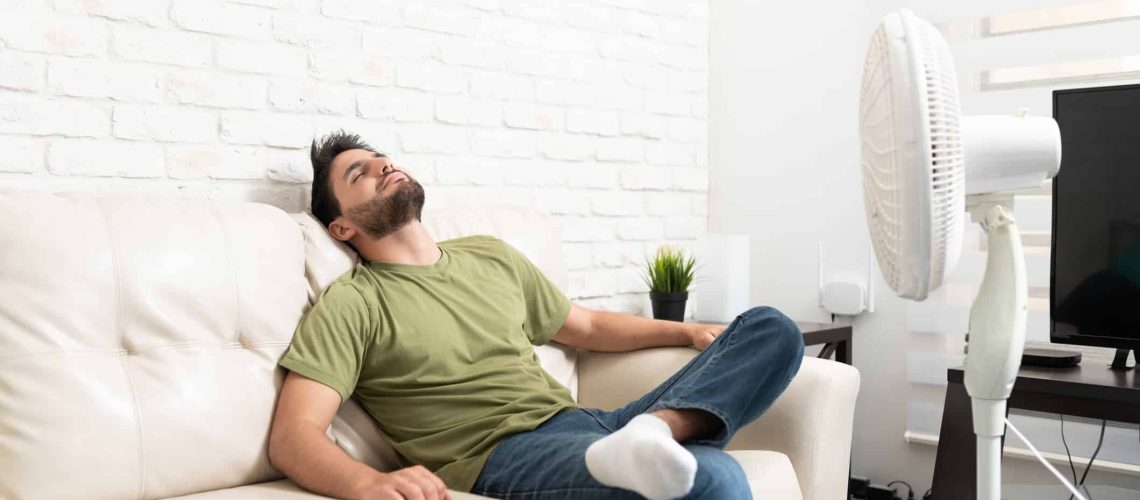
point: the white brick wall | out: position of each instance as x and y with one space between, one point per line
593 110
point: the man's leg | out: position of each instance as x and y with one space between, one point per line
687 424
547 464
719 476
728 385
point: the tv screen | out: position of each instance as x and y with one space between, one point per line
1095 279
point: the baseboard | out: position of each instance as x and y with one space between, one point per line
1056 459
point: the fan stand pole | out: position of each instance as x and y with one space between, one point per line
989 445
997 337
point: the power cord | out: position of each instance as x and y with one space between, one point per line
1070 455
909 490
1103 424
1060 477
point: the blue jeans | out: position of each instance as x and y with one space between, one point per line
736 379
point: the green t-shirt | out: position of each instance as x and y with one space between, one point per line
440 355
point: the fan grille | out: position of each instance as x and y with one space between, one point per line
880 173
946 161
909 120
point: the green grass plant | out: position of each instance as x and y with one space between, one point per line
670 270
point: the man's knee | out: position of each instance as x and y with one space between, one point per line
777 331
719 476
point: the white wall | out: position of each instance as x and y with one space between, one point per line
593 110
783 103
784 153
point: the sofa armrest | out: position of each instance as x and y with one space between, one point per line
810 422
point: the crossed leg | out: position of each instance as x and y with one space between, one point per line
548 464
729 384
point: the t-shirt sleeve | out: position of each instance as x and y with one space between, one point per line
332 339
546 305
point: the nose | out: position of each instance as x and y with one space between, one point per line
382 169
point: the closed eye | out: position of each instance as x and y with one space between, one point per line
363 170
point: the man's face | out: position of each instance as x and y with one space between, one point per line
375 197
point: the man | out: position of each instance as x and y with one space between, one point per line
435 342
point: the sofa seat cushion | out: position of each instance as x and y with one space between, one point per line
279 490
770 474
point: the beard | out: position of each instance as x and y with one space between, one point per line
384 215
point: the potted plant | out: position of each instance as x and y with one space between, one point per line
668 276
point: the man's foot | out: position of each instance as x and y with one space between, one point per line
643 457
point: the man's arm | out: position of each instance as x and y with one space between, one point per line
299 448
615 332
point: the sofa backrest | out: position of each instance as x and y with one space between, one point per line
139 338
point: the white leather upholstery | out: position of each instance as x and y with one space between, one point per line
810 422
770 474
138 343
139 338
325 257
280 490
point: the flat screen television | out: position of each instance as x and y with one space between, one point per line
1095 262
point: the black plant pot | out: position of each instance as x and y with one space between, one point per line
669 305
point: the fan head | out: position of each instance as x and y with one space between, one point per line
913 169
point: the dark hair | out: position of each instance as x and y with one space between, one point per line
325 206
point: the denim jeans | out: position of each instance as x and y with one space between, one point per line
736 378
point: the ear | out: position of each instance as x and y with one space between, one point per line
341 230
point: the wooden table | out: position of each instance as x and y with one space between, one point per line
1090 390
836 339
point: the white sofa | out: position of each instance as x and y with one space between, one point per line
139 338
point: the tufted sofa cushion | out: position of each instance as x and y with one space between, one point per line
138 342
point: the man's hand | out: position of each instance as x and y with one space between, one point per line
703 335
410 483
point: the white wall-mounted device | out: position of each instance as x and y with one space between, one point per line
845 296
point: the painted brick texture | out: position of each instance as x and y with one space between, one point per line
593 110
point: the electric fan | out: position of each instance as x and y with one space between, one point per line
920 160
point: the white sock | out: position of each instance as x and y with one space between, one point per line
643 457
